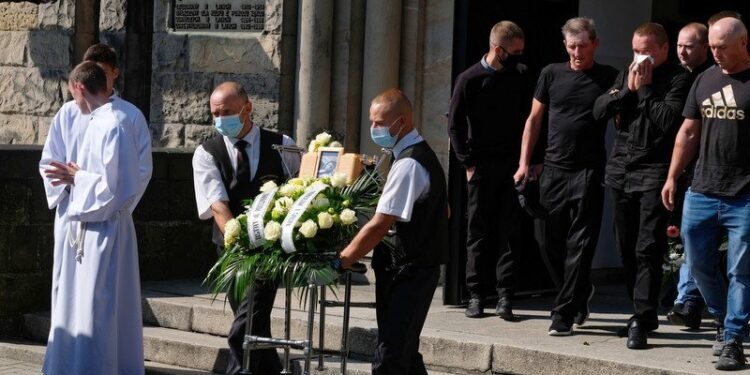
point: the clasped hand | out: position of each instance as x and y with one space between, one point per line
62 173
640 74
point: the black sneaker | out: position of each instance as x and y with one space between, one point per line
719 343
636 335
687 314
582 316
560 328
475 308
676 316
732 356
504 308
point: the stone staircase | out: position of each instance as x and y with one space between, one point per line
185 330
184 334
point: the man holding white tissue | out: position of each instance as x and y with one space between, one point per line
646 102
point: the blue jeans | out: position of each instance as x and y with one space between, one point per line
687 290
703 218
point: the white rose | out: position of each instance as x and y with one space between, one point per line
316 184
335 144
283 205
268 186
323 139
321 202
287 190
348 217
325 220
272 231
297 181
309 229
314 145
338 180
231 232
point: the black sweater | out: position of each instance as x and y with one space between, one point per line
487 114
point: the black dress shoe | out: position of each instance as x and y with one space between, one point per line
636 335
475 308
504 308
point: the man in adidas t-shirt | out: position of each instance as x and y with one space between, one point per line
717 126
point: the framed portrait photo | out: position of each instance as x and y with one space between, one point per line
328 161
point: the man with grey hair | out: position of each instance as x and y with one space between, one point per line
571 185
489 104
717 129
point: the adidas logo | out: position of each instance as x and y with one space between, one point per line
721 105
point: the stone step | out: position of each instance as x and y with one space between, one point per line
449 342
33 353
197 354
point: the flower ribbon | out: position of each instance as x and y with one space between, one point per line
295 213
255 223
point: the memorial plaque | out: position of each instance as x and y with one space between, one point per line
219 15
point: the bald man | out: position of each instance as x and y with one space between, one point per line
692 48
717 129
415 201
692 51
228 168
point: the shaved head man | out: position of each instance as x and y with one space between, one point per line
228 168
717 129
692 47
415 202
647 97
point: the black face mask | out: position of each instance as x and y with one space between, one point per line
511 61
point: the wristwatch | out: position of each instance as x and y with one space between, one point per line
336 264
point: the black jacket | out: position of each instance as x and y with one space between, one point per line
649 121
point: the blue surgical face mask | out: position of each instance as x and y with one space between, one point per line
382 137
230 125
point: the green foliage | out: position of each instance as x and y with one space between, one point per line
240 266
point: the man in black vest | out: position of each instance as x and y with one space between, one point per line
415 201
228 168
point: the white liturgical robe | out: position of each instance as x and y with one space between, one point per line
96 322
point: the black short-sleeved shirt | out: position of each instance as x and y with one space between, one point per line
722 102
574 139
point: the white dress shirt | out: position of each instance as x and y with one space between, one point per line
209 187
407 182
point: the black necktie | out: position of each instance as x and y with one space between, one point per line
243 163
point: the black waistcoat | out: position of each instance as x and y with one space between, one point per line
270 168
423 241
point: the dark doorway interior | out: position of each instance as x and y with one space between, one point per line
541 22
674 14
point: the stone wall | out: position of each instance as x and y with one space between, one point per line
35 56
186 66
172 242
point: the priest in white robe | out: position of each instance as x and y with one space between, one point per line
96 165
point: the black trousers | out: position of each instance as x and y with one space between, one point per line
262 362
641 238
574 200
493 209
402 300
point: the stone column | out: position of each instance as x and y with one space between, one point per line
346 77
382 49
313 96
